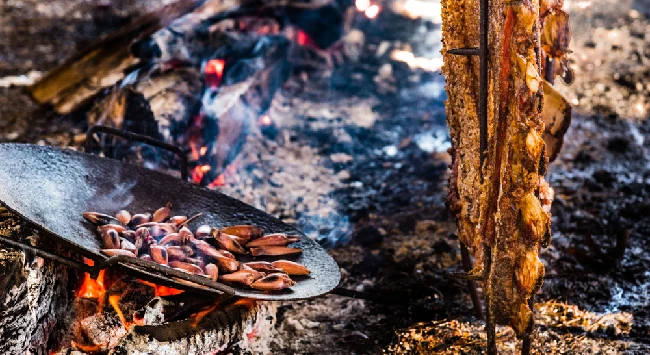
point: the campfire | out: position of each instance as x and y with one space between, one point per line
113 306
140 262
369 176
166 240
199 80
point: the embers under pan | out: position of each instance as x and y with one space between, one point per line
52 187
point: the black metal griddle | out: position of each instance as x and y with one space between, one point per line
52 187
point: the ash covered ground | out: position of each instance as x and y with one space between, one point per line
358 160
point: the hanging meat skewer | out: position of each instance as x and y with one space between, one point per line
501 200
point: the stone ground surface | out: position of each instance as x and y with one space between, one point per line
359 161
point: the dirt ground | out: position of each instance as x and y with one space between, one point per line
375 129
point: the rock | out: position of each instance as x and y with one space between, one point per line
605 177
311 324
423 228
293 323
341 158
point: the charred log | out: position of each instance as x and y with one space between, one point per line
36 294
180 32
103 64
178 106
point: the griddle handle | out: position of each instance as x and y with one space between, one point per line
166 271
67 262
140 138
93 271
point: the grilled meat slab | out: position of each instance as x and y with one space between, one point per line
506 214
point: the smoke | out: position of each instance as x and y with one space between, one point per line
119 198
330 231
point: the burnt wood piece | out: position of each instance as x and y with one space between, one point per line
193 38
164 101
245 323
72 83
101 331
35 294
248 87
80 78
52 187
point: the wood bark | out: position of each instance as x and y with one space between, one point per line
246 324
35 295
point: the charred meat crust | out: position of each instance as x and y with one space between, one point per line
509 211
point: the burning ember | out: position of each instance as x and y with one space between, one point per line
219 181
266 120
213 72
161 291
302 38
96 289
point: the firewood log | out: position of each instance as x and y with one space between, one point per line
72 83
76 81
36 294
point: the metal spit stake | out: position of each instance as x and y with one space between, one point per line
483 55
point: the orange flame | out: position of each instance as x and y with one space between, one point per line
92 288
195 152
214 72
197 175
114 300
196 318
198 172
161 291
219 181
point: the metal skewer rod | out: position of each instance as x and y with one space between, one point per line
483 146
483 80
549 70
471 284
